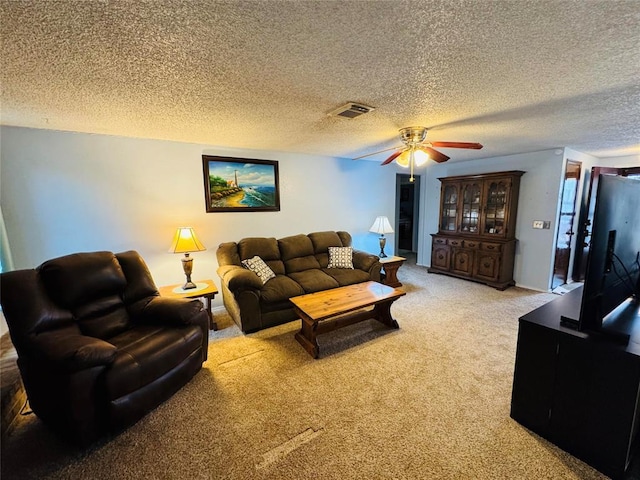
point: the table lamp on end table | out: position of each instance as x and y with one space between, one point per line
381 225
185 241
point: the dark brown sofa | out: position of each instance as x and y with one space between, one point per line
97 346
300 263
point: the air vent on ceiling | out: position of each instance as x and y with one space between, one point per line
351 110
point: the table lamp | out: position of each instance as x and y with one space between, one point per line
185 241
381 225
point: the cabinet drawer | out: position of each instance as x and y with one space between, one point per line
455 242
462 261
441 257
439 241
487 266
491 247
471 244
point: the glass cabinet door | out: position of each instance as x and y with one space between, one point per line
448 216
495 208
470 214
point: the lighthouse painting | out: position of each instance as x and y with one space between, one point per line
240 184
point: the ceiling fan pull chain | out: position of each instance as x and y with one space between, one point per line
411 161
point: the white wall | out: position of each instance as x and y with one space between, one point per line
614 162
65 192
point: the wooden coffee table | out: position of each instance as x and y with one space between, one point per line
328 310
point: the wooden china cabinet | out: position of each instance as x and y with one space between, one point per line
476 235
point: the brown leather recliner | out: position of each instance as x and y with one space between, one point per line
97 346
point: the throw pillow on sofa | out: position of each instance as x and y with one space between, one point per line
257 265
340 257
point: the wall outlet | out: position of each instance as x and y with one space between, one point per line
538 224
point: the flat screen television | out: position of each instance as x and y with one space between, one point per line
612 280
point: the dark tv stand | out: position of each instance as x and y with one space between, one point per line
580 391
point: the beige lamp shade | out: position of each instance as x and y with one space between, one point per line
381 225
185 240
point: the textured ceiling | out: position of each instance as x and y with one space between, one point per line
514 75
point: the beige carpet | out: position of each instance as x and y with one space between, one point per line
428 401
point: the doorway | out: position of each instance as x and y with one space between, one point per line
565 231
407 214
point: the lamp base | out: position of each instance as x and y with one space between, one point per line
187 266
383 242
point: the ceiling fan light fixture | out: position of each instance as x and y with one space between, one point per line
416 152
420 157
404 158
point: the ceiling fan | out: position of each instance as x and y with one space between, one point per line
416 152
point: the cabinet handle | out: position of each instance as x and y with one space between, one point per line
487 265
490 247
462 261
440 257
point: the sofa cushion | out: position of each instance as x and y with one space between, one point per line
147 352
301 264
340 257
81 278
227 254
265 248
257 266
281 288
90 285
276 265
102 318
345 238
295 246
140 283
314 280
323 240
346 276
297 253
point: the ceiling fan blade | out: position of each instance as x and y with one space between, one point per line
374 153
435 155
392 157
474 146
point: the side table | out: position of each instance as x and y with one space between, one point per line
204 289
391 266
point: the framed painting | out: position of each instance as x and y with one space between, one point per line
240 184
